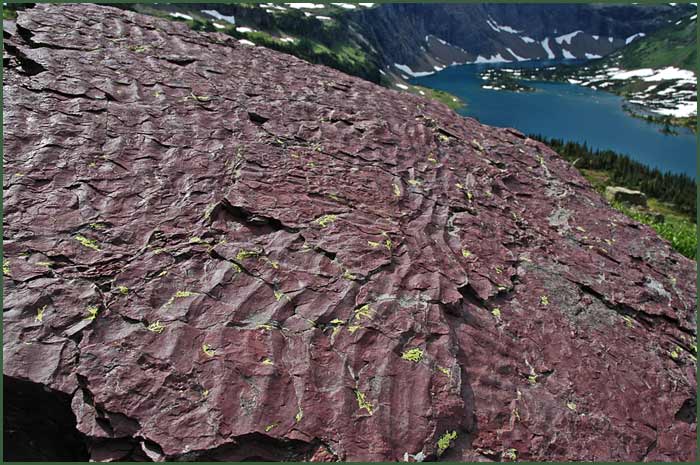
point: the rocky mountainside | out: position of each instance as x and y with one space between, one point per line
407 40
215 251
673 45
656 74
425 37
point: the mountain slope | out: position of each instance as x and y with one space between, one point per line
506 32
657 75
215 251
411 39
673 45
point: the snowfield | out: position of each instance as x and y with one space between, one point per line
545 45
406 69
567 37
493 59
181 16
305 6
219 16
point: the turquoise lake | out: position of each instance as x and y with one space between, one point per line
568 112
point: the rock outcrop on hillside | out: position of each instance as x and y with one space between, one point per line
214 251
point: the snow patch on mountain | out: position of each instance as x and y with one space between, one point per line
406 69
545 45
567 37
517 57
219 16
181 16
567 54
305 6
499 28
497 58
632 37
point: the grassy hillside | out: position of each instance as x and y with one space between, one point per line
674 45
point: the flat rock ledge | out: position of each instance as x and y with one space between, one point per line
215 251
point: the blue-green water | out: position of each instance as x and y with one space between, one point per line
568 112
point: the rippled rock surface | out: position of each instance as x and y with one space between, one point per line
215 251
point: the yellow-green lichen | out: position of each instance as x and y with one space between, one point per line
209 210
532 379
156 327
444 371
182 294
445 441
267 361
496 312
270 427
397 190
515 413
349 276
544 300
40 314
676 353
373 244
413 355
123 290
510 455
92 313
236 268
208 351
244 254
200 98
629 322
466 253
362 402
6 267
325 220
299 415
364 312
89 243
571 406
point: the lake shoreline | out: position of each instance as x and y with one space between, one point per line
570 112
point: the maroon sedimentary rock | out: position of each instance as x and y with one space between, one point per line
215 251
